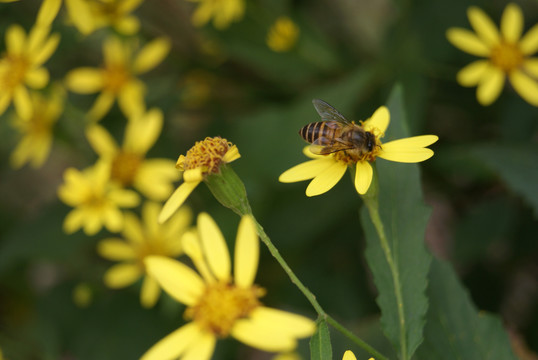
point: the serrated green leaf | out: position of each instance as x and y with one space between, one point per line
320 343
454 328
402 297
515 164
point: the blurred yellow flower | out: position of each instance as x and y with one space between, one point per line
327 170
508 55
223 12
90 15
348 355
203 159
82 295
129 167
140 240
117 78
36 131
97 201
282 35
21 65
218 304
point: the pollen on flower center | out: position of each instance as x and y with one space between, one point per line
353 156
116 77
222 305
15 71
206 154
506 56
124 168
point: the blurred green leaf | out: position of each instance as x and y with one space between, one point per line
454 328
516 164
404 217
320 343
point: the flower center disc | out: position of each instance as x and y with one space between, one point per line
222 305
124 168
506 56
14 72
116 77
206 154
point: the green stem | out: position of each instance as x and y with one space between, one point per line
311 297
373 209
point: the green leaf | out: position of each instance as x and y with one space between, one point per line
515 164
454 328
320 343
400 269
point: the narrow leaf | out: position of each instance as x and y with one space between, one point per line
320 343
455 329
402 285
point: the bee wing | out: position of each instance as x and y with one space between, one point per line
328 113
334 146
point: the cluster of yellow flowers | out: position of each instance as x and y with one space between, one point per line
219 302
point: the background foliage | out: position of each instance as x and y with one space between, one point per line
480 186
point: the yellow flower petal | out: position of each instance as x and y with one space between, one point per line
142 132
155 178
149 294
363 176
408 150
201 348
115 249
176 200
45 52
306 170
113 219
283 321
122 275
525 86
175 344
326 180
15 39
85 80
250 333
231 155
512 23
150 212
81 16
193 175
101 106
48 11
530 66
467 41
177 279
37 78
131 98
491 86
5 100
151 55
73 221
22 102
133 230
114 51
472 74
214 247
484 27
348 355
92 223
529 42
378 121
128 25
124 198
246 254
101 141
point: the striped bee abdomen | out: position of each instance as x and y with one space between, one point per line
315 130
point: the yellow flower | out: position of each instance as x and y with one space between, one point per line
220 305
117 78
140 240
82 295
223 12
508 55
348 355
95 198
152 177
203 159
21 65
90 15
327 170
36 142
282 35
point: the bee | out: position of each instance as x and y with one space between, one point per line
335 133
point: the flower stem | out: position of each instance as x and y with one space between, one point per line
371 201
311 297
